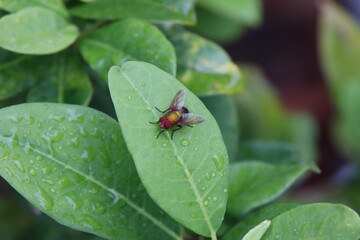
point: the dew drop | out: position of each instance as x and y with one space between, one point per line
44 200
64 182
48 181
98 207
225 190
143 84
73 200
215 198
206 203
164 144
219 161
129 97
31 161
38 158
89 223
149 109
32 172
19 165
184 142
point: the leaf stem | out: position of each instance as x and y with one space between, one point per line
213 236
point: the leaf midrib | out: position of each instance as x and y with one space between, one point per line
111 190
185 167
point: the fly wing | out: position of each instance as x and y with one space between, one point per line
190 118
178 102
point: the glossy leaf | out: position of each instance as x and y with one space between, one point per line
257 180
203 66
269 212
127 40
64 81
248 12
257 232
187 176
14 6
149 10
36 30
71 162
223 109
315 221
12 80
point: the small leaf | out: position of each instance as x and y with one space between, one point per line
14 6
36 30
71 162
150 10
268 212
127 40
186 176
64 81
203 66
223 109
256 181
320 221
248 12
257 232
12 79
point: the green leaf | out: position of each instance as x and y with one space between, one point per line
150 10
203 66
269 212
14 6
248 12
127 40
71 162
215 27
320 221
340 46
186 176
259 179
64 81
36 30
257 232
12 79
223 109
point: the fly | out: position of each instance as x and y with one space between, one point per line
177 115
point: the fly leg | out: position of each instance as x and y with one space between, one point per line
154 122
161 111
160 133
190 126
172 134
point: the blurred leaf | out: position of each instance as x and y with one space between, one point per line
321 221
127 40
243 11
340 51
203 66
340 46
257 232
16 5
223 109
17 73
71 162
36 30
261 114
64 81
215 27
150 10
269 212
258 180
186 176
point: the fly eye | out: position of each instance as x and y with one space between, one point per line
166 124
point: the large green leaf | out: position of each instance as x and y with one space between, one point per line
243 11
257 232
17 72
319 221
186 176
64 80
203 66
36 30
72 163
127 40
223 109
259 179
150 10
269 212
14 6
